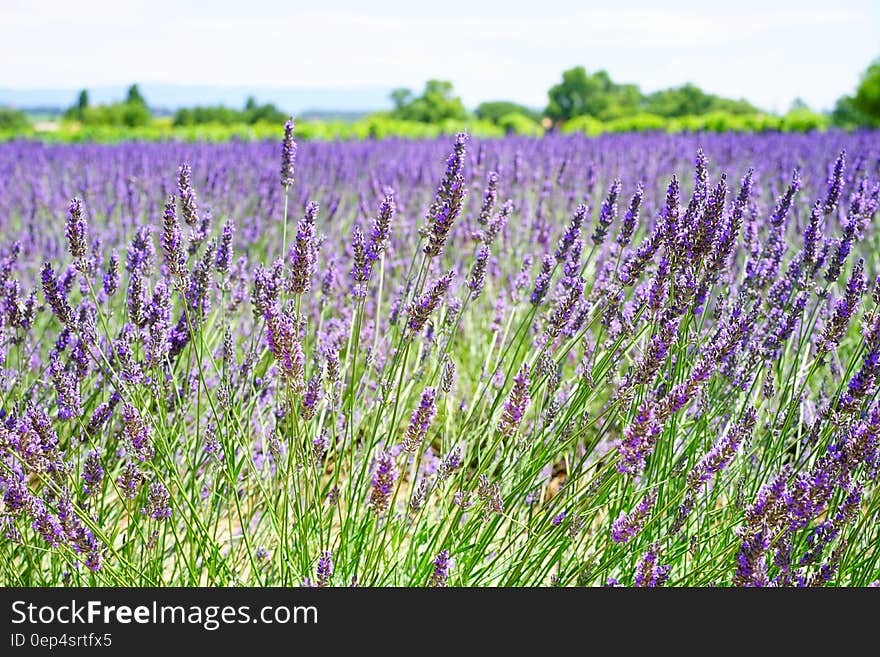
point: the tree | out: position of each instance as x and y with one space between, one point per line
846 115
496 109
78 110
401 97
582 94
867 96
82 101
690 100
435 105
13 120
134 96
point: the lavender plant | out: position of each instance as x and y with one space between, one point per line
517 362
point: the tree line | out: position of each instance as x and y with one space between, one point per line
581 97
581 101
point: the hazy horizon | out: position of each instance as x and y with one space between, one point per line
494 51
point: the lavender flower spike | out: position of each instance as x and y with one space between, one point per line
382 486
571 233
288 154
188 206
631 218
420 310
516 404
478 274
649 573
55 295
723 452
490 197
607 213
302 266
440 576
158 502
76 231
419 422
542 281
627 526
324 570
835 184
448 199
381 230
171 239
638 440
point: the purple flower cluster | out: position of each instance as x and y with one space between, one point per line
384 476
710 346
516 404
419 422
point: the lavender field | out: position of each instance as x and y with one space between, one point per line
635 360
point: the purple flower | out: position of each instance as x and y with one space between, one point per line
649 573
137 433
188 205
783 205
516 404
312 395
478 274
563 311
607 213
844 309
288 154
101 414
284 344
111 277
654 355
497 224
303 253
360 272
448 199
627 526
384 476
55 295
420 310
158 502
490 197
571 233
171 239
490 494
130 481
723 451
325 569
835 184
728 232
93 473
224 251
419 422
66 388
542 281
670 216
631 218
440 576
381 229
76 230
450 463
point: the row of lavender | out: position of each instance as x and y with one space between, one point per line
637 359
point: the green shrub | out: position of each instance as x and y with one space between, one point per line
519 124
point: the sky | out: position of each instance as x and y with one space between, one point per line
767 52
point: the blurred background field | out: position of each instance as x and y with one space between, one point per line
581 102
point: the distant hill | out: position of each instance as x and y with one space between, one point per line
341 102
